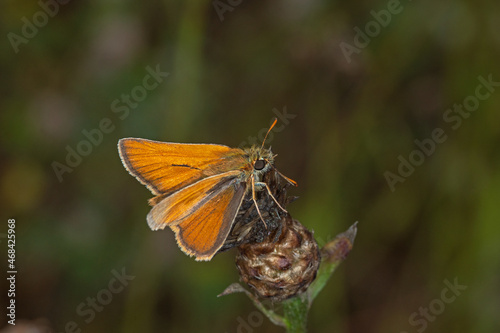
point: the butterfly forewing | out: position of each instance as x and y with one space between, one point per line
167 167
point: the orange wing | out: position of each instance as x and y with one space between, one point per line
167 167
201 215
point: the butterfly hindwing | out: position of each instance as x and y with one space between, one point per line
201 215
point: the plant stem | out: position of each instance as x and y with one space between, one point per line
295 312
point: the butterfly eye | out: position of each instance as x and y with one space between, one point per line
259 164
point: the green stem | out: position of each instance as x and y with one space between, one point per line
295 312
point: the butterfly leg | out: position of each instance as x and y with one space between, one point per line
262 184
255 200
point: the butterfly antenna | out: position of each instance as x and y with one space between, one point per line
291 181
270 128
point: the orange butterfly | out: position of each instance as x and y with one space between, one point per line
198 188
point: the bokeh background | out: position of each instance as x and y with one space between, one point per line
232 69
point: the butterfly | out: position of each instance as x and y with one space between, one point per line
198 188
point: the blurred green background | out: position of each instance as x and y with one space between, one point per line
233 67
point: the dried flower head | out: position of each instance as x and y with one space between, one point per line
278 259
280 268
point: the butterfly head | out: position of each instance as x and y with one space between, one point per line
261 160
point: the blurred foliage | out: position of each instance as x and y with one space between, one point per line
351 122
